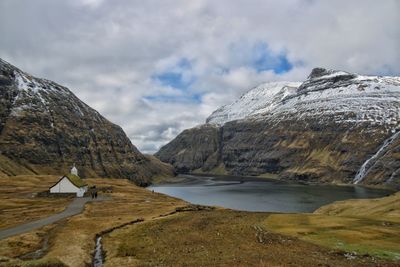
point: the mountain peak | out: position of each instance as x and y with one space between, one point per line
326 91
318 73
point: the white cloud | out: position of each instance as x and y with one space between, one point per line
108 51
89 3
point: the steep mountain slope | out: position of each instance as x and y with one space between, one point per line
323 129
45 128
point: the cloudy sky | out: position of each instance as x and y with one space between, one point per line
158 67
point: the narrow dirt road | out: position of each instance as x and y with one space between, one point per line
74 208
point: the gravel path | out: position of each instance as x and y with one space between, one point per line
75 207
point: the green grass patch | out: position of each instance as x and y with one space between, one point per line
269 175
360 235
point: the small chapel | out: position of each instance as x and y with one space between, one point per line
70 183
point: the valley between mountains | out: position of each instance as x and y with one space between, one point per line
333 128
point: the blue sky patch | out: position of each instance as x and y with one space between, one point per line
175 76
172 79
264 60
189 98
184 63
258 56
178 77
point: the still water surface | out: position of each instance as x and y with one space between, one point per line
266 195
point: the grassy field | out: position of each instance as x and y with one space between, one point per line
72 241
18 201
387 208
193 236
218 238
367 227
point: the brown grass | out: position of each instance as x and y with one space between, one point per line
216 238
18 201
192 238
72 241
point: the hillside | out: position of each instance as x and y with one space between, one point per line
359 226
45 128
335 127
386 208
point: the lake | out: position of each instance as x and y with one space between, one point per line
265 195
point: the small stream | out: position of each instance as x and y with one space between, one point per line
37 254
98 254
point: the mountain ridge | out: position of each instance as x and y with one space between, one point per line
318 81
45 128
320 130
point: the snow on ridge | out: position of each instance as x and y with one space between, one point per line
43 91
337 96
368 100
26 83
255 101
38 94
331 73
30 84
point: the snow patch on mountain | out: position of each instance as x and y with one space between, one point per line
258 100
35 94
337 96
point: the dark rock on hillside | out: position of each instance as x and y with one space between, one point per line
45 128
193 149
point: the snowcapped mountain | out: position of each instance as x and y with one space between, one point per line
45 128
31 94
323 129
257 101
325 94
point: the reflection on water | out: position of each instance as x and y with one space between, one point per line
263 195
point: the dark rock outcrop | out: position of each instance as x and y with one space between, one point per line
193 149
45 128
323 131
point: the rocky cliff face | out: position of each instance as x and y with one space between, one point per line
196 148
324 129
45 128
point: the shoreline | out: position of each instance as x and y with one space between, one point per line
189 177
302 198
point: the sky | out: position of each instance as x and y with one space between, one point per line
158 67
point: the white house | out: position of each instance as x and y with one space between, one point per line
70 183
